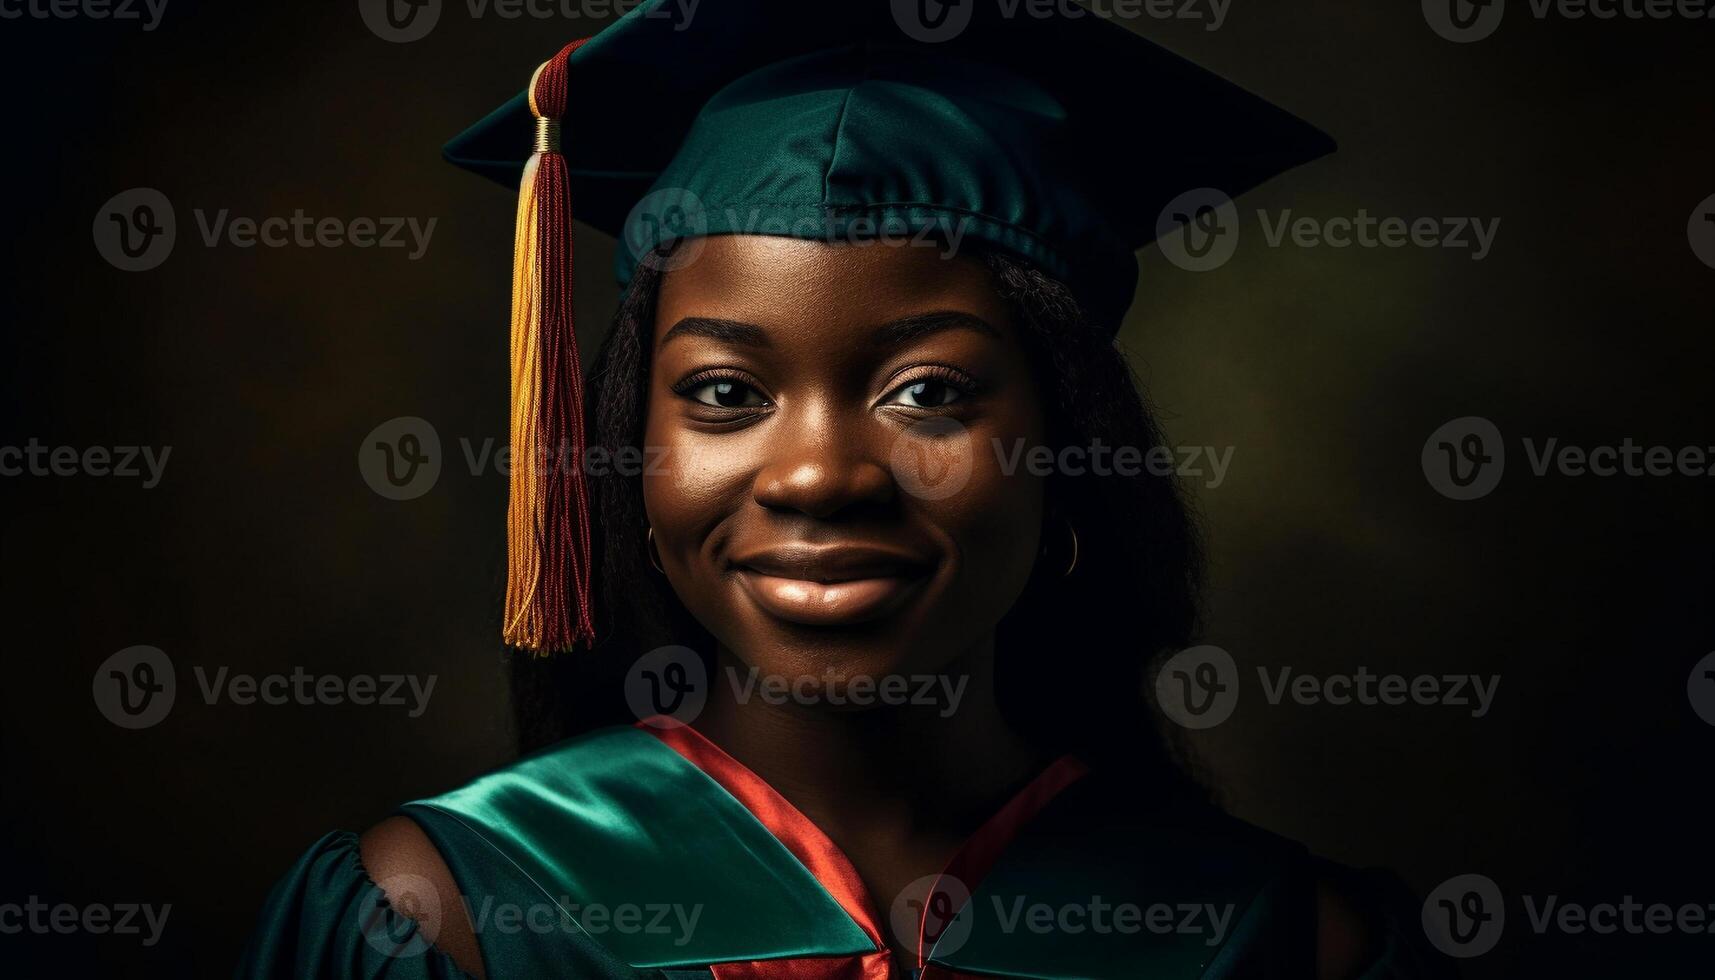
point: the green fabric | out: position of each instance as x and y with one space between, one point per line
1056 138
617 817
326 918
1223 891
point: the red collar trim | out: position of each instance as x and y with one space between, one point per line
826 862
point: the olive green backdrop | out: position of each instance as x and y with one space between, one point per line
264 549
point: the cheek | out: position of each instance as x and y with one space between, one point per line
697 480
975 489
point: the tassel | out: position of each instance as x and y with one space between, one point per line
548 562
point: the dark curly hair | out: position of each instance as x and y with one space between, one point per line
1074 655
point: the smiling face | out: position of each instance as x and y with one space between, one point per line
828 496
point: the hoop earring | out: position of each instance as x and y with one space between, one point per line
654 556
1074 562
1074 532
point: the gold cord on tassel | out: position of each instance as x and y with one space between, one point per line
524 506
548 561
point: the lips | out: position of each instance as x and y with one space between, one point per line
829 586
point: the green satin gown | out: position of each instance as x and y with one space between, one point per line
642 852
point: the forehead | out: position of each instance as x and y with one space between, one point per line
795 285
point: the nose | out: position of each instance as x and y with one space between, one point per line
821 471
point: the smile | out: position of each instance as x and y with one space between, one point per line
829 586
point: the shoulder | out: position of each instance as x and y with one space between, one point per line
411 855
328 917
397 900
417 883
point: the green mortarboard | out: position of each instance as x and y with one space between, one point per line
1053 136
1056 138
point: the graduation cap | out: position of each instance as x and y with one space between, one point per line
1056 138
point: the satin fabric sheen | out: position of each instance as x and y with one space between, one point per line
638 818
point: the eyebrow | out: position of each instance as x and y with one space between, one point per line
890 334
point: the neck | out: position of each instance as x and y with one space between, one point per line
896 772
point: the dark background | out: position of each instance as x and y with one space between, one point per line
264 549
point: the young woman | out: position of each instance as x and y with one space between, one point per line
840 678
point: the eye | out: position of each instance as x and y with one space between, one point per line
722 392
933 391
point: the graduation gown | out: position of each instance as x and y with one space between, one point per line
638 852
